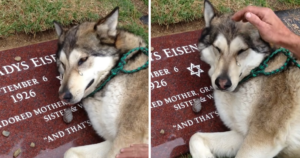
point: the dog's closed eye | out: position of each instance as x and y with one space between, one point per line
241 51
63 66
82 60
218 49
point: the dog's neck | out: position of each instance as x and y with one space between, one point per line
126 41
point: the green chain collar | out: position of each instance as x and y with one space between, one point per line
260 70
119 68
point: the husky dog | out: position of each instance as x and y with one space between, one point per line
119 112
263 114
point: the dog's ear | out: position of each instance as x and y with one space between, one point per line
209 12
109 23
58 28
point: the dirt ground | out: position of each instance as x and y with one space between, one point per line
23 39
140 6
160 30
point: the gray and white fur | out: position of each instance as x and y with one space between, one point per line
263 113
119 112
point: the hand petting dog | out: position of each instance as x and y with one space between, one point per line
134 151
270 27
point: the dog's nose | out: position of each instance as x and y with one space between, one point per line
67 96
223 82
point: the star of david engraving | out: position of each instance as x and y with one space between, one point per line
193 67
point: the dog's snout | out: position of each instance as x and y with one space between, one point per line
67 96
223 82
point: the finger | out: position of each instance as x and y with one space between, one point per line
125 155
132 155
255 20
139 145
128 149
134 149
259 11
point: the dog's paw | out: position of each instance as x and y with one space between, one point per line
72 154
198 148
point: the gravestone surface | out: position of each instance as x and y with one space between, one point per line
31 110
291 19
178 76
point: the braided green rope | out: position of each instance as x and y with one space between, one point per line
119 68
260 70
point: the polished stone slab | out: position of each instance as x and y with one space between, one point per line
30 108
178 76
291 18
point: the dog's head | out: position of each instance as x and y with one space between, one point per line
86 54
232 49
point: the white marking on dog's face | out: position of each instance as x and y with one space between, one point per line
93 68
251 61
223 58
62 59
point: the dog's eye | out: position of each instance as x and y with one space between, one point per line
82 60
63 65
241 51
219 50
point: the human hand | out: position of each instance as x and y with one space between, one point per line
265 20
270 27
134 151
